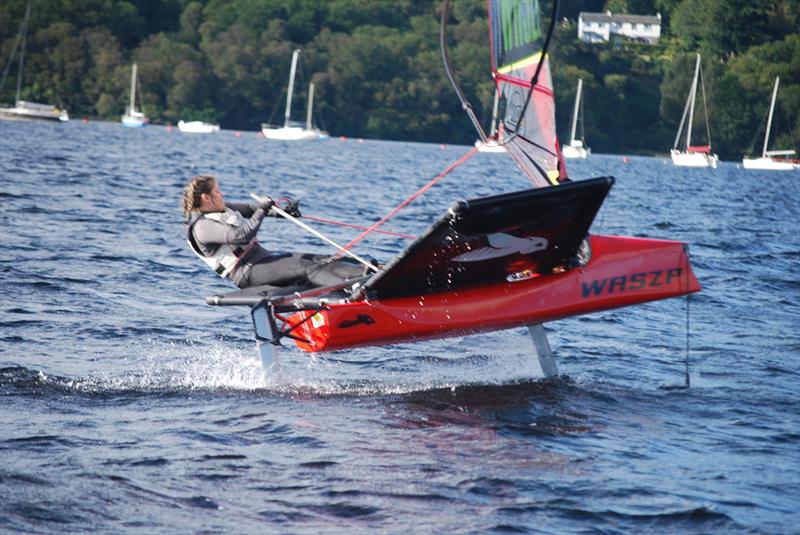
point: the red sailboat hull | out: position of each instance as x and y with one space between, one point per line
622 271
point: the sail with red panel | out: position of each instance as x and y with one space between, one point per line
521 71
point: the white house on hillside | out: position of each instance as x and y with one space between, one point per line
599 27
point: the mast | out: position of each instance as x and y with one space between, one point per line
693 94
683 121
310 105
575 111
705 110
292 71
133 91
769 120
22 52
495 105
581 115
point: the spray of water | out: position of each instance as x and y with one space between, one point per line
152 366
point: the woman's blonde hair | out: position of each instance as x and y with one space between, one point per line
196 186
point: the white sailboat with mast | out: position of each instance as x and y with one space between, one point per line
491 144
133 118
700 155
577 147
22 109
293 130
768 160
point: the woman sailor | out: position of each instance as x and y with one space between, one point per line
223 235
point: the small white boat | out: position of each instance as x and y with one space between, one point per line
293 133
576 148
135 119
22 109
693 156
132 117
770 163
492 145
767 160
293 130
197 127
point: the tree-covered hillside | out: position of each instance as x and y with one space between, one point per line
378 72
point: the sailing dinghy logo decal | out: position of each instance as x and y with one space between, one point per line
627 283
501 244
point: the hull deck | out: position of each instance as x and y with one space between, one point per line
622 271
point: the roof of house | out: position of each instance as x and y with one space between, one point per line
633 19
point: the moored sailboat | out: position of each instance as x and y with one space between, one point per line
768 159
132 118
293 130
22 109
576 149
693 155
491 144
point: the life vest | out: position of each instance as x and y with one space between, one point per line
226 257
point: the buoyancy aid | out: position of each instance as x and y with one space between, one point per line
226 257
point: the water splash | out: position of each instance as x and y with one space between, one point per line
217 366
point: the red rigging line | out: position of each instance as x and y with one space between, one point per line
406 202
342 223
350 225
524 83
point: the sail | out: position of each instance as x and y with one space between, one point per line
495 240
528 131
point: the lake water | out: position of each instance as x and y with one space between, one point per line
129 405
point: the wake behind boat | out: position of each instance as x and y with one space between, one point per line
293 130
509 260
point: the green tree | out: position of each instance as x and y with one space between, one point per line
104 90
731 26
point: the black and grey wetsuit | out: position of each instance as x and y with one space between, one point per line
255 266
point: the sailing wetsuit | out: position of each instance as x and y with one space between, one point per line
233 232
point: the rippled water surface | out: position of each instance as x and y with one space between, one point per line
128 405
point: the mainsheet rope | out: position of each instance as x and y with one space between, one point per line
406 202
359 227
342 223
310 230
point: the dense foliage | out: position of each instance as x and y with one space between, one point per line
378 72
